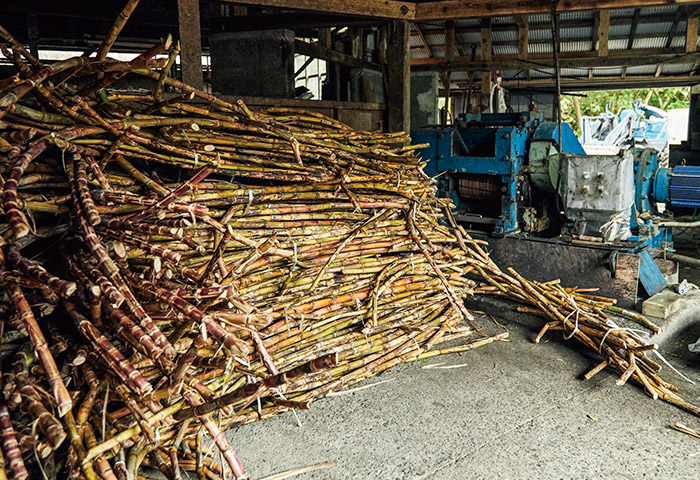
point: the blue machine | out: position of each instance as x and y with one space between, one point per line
485 157
507 175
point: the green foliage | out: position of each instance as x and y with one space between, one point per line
595 103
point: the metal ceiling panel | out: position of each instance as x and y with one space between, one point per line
641 70
657 11
504 36
617 44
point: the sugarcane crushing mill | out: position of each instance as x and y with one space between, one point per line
515 175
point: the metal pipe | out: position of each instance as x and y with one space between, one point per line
684 259
681 224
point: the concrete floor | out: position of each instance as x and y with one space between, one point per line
512 410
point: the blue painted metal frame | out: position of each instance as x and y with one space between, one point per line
506 162
650 276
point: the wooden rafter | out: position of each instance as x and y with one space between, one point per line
486 55
632 35
523 39
691 34
316 50
423 41
603 83
448 9
633 28
680 11
602 32
615 58
363 8
191 42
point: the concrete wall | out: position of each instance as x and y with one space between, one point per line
259 63
424 96
367 86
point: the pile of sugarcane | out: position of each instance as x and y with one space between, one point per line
174 264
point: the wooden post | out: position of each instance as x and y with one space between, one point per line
523 39
33 33
450 41
691 35
190 43
486 48
603 32
398 77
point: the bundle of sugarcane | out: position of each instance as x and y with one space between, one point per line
174 264
174 267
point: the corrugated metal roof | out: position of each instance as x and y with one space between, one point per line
434 38
542 73
468 38
504 35
617 44
419 53
415 41
675 69
622 13
505 49
540 48
539 18
507 20
656 11
653 28
578 46
438 51
512 74
641 70
540 35
576 16
574 72
678 42
576 33
619 30
607 71
648 42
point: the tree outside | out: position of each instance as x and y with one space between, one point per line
591 104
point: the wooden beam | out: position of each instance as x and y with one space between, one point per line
362 8
398 102
316 50
190 43
451 9
486 55
423 41
674 25
450 40
603 32
535 44
691 35
602 83
539 25
523 39
615 58
486 39
523 36
633 28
